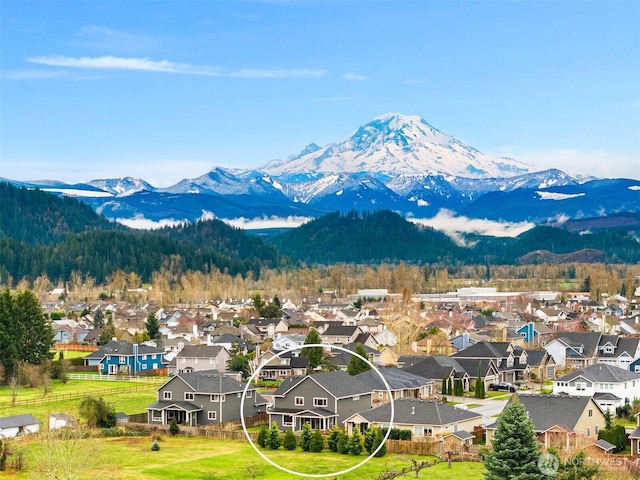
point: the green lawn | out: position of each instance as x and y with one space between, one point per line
128 402
202 459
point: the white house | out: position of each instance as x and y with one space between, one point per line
610 386
17 425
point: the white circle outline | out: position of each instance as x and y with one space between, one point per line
316 475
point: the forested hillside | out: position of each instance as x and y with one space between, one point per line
41 218
378 237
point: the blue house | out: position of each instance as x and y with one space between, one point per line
127 358
635 367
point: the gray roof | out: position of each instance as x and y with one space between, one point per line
124 348
200 351
535 357
546 411
396 378
18 421
340 331
463 435
635 433
589 340
601 373
418 412
605 396
432 367
210 381
604 445
339 384
186 406
485 349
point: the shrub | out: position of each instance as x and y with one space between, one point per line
155 446
174 429
305 438
317 442
274 440
289 442
262 436
334 437
354 444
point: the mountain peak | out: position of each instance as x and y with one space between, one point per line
394 144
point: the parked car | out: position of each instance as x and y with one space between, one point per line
503 387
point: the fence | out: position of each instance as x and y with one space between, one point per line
114 378
75 347
72 396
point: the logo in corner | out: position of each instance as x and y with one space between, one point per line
548 464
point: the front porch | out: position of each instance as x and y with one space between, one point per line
162 413
318 419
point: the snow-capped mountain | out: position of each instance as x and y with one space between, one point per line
122 186
395 144
395 162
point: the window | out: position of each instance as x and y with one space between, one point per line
380 394
319 402
144 366
166 395
239 394
591 412
189 396
144 357
248 393
211 415
215 398
581 386
123 359
287 420
597 430
156 415
299 401
153 357
588 431
195 360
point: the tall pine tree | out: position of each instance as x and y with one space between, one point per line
357 365
515 451
313 354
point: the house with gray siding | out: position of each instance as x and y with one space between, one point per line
322 399
203 398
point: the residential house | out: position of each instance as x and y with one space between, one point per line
511 362
126 358
401 383
285 341
388 357
278 366
17 425
385 337
342 335
203 398
194 358
543 366
574 349
618 351
610 386
436 368
559 419
535 334
489 373
341 359
268 327
425 418
323 400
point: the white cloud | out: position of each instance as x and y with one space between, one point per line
139 222
33 74
558 196
455 226
354 77
267 222
258 73
124 63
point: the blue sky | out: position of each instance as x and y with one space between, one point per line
167 90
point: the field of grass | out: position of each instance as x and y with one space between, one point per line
201 459
65 397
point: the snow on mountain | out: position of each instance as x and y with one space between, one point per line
395 144
229 182
122 186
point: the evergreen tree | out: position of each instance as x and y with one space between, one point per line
334 437
343 443
444 386
372 438
263 433
357 365
98 319
25 334
153 327
317 442
515 451
174 429
289 442
108 332
450 386
576 468
354 443
478 390
313 354
305 438
608 419
458 389
274 439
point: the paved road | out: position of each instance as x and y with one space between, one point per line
488 408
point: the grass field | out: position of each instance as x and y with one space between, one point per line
201 459
128 402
